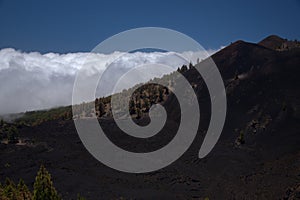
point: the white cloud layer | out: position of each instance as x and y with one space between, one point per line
31 81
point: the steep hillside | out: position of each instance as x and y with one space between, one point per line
257 156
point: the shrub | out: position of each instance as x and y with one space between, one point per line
241 138
12 135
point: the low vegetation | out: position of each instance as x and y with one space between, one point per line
34 118
8 132
43 189
142 97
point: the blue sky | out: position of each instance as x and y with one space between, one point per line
75 26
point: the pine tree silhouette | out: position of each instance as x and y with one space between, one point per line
23 190
43 186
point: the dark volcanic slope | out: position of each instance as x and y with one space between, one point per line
262 88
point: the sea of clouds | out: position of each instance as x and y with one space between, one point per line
31 81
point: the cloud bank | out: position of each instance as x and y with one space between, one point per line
31 81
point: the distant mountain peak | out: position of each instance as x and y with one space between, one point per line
274 37
277 43
239 42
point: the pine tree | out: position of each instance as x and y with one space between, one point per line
132 107
43 186
146 105
138 113
191 65
101 109
167 91
9 190
139 104
1 192
23 191
183 68
160 95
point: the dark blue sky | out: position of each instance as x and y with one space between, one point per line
72 26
